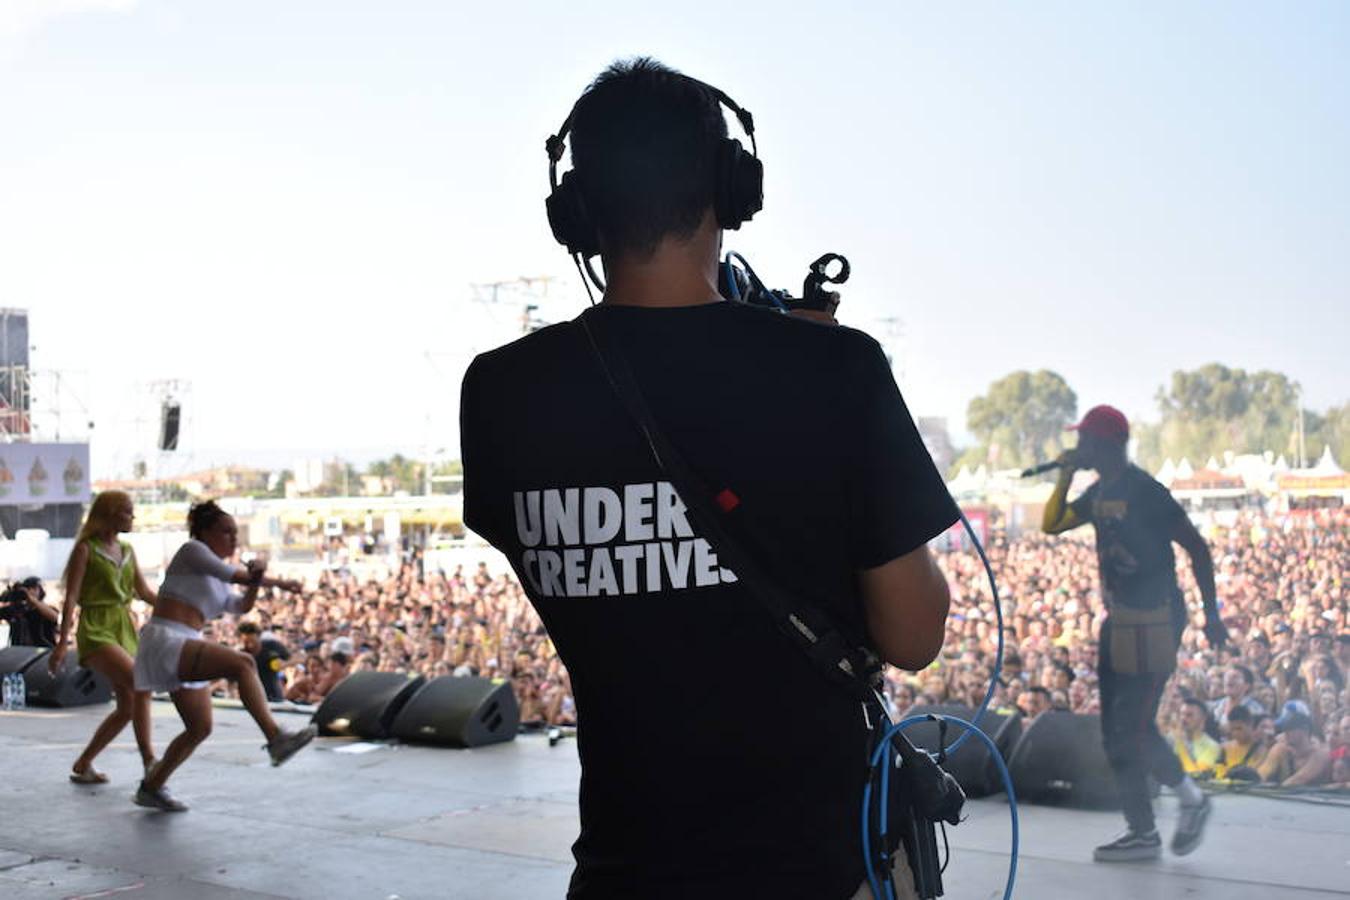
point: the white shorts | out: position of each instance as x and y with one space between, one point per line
161 644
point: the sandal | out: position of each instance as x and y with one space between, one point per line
89 776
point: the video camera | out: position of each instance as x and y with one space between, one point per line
736 280
929 795
16 594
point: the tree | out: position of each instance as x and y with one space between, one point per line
1215 408
1329 429
404 474
1021 419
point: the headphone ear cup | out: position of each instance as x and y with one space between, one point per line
739 192
570 219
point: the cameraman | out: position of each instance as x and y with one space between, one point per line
737 790
32 622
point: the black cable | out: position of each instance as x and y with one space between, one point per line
946 850
576 260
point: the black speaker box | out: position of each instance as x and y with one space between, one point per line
1060 761
170 415
365 704
16 659
972 765
460 712
71 685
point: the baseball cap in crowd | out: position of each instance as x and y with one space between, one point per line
1293 722
1104 422
1292 712
343 645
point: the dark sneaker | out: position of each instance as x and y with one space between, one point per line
160 799
1130 847
1190 827
288 743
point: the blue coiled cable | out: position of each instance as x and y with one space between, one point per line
880 756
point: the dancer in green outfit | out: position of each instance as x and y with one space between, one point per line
103 578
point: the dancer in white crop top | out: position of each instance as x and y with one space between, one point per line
198 587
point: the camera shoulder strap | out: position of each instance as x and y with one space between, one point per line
855 667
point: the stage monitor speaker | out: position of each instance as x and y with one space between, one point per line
460 712
1060 761
16 659
365 704
972 765
170 415
71 685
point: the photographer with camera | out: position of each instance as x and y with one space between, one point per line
32 621
795 425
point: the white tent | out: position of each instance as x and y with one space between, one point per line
1326 465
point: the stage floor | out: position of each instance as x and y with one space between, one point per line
414 822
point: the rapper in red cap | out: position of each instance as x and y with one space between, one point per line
1136 521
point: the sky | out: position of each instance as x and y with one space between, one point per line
284 207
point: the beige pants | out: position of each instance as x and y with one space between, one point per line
902 880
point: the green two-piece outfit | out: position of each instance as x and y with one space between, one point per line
105 600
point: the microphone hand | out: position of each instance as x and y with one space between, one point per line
1068 459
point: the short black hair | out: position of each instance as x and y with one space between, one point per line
248 628
201 516
644 151
1240 714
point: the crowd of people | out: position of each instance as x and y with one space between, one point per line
430 623
1281 586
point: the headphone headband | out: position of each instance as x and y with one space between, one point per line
738 189
556 144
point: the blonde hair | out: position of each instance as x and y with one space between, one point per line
99 520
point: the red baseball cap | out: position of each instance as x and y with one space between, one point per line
1104 422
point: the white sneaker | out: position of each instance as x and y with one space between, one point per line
288 743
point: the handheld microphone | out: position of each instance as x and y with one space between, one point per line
1040 468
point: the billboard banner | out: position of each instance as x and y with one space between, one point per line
43 473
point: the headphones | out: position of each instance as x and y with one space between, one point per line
738 192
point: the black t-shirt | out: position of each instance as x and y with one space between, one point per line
1135 518
271 653
716 761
